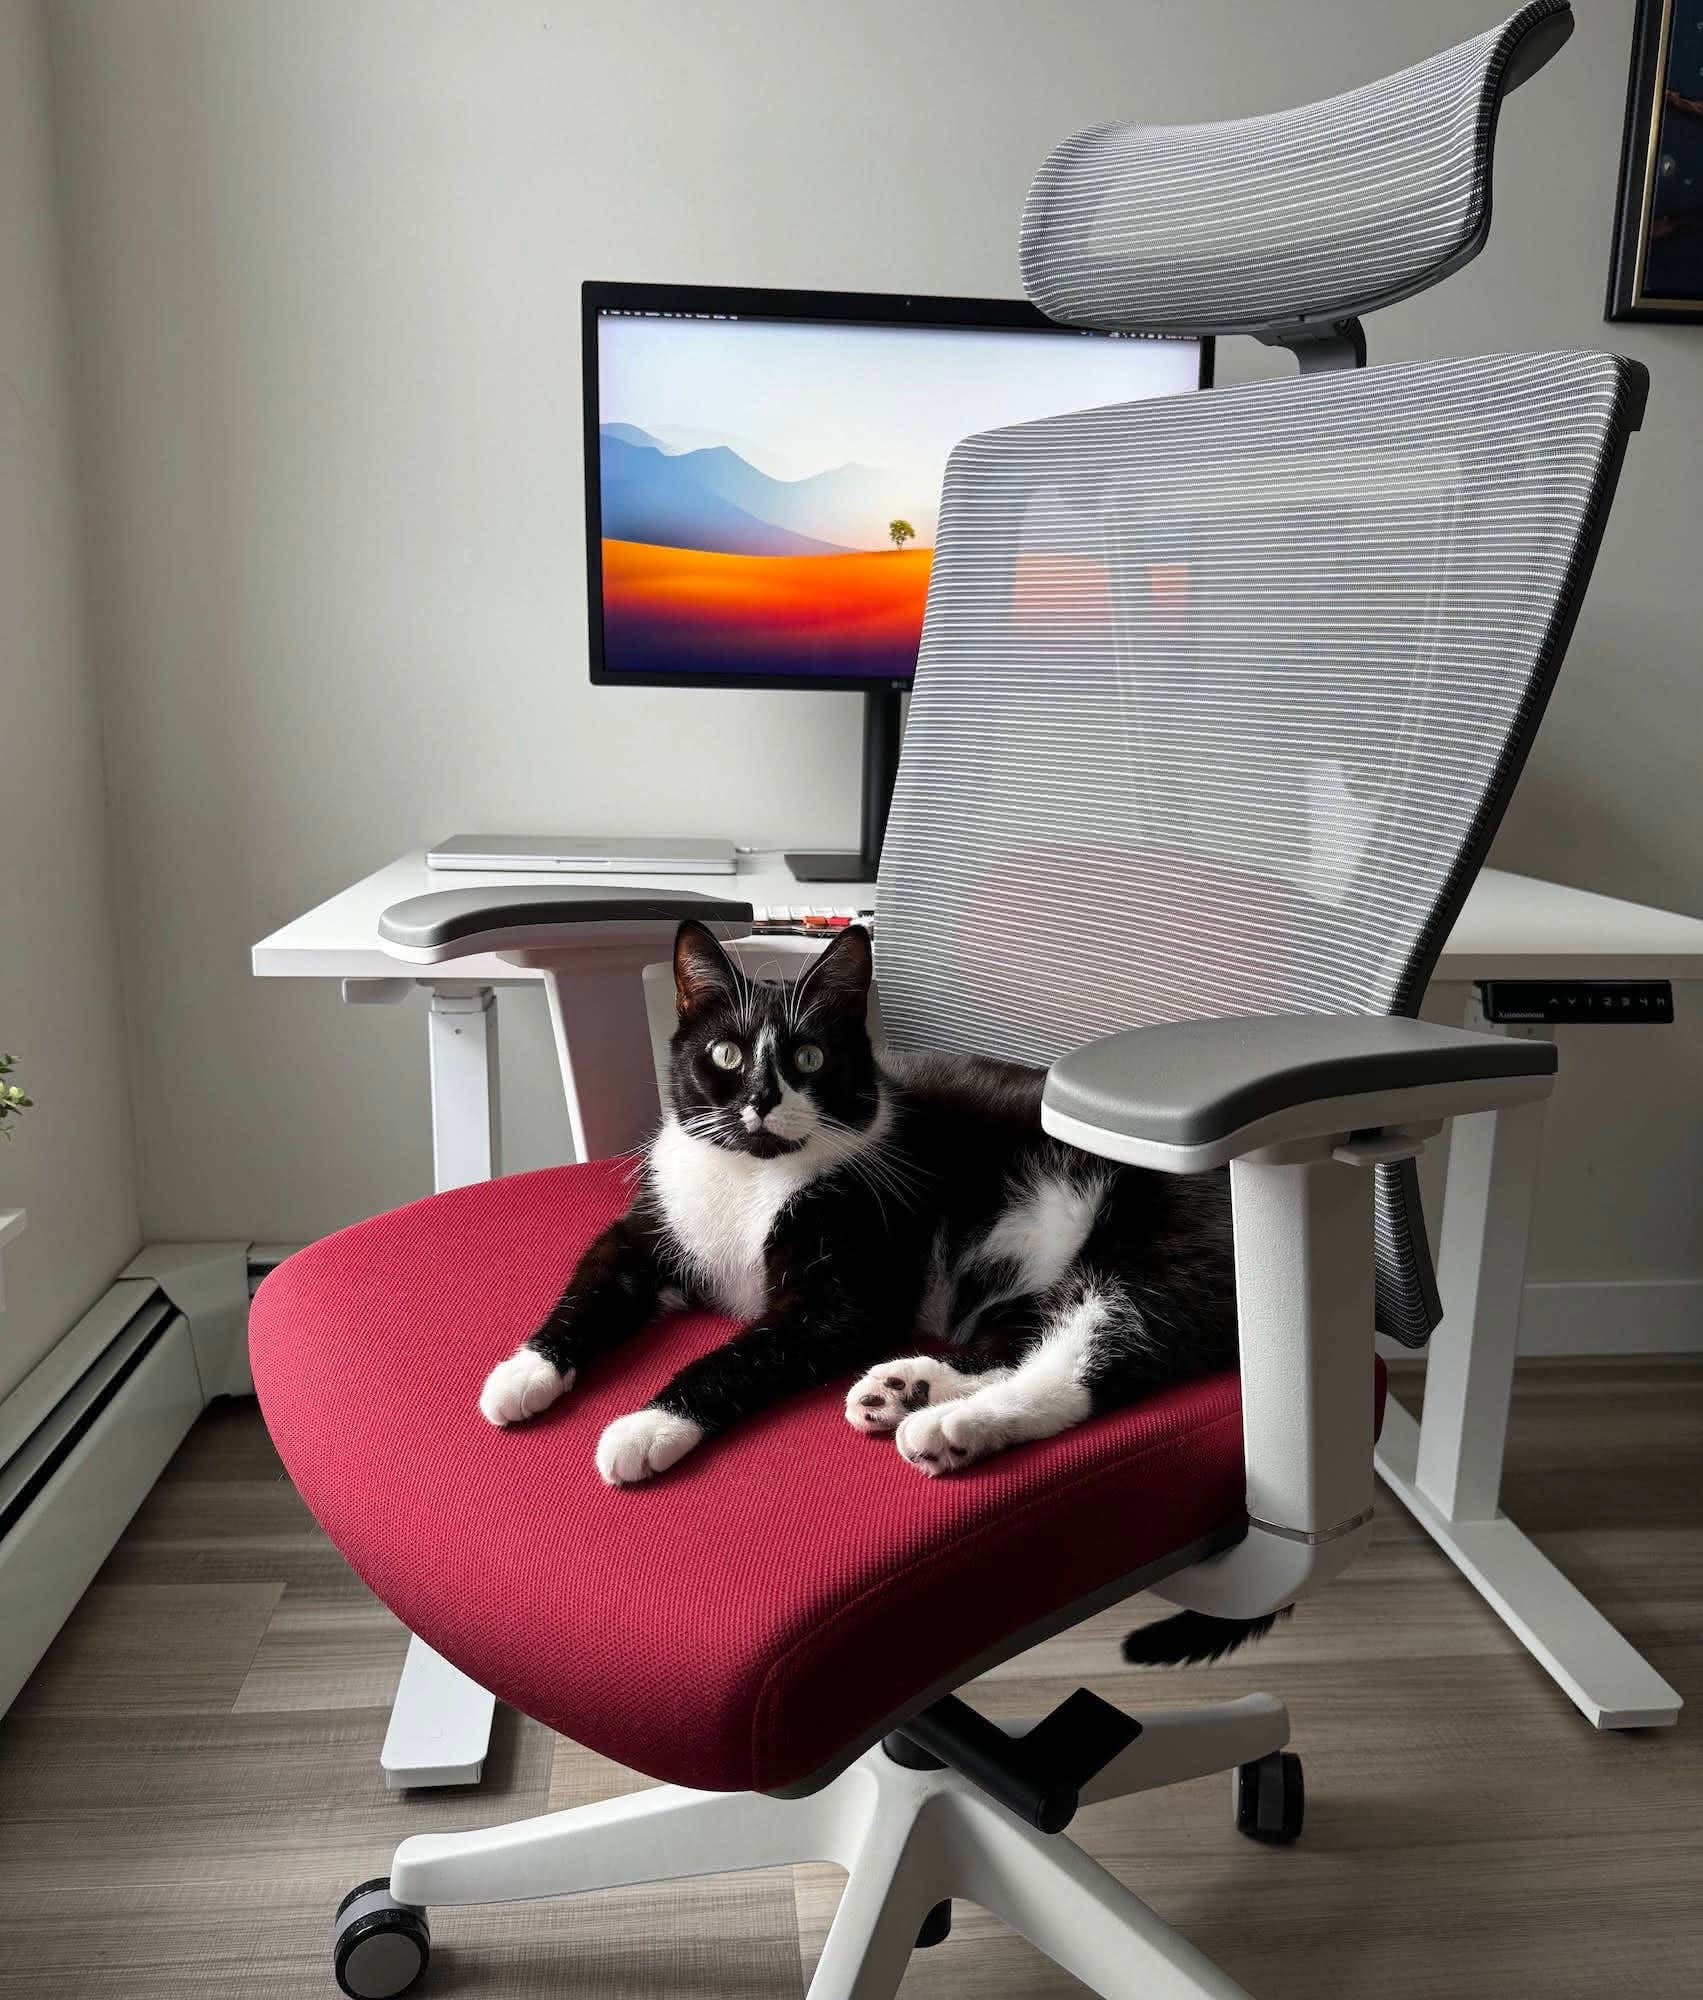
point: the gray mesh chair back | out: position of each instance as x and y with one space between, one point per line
1303 216
1220 699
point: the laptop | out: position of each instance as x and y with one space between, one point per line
580 854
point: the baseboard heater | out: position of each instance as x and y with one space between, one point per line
82 1440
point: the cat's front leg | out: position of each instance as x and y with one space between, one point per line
612 1294
802 1342
523 1385
644 1443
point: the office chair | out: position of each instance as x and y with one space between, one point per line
1220 701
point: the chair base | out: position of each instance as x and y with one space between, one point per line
908 1840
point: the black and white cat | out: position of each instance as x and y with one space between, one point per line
842 1207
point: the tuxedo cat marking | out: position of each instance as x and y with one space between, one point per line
764 1195
721 1205
840 1208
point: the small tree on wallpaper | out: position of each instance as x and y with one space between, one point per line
901 532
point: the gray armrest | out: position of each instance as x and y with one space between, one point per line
456 923
1188 1095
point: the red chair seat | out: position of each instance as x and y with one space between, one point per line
741 1620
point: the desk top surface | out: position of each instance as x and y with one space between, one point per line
1513 926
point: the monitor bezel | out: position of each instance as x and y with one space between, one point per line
754 302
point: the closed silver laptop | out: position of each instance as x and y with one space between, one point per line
576 854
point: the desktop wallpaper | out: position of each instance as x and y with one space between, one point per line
770 487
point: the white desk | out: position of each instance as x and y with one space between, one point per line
1513 926
1446 1469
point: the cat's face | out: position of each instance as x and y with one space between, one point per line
763 1069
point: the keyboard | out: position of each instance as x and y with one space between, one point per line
802 920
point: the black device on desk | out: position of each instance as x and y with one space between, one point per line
763 472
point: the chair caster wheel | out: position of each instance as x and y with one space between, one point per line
1271 1798
936 1927
379 1947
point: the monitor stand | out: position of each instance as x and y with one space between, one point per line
880 768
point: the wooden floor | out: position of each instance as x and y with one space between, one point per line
191 1779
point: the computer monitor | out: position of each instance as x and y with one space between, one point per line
763 473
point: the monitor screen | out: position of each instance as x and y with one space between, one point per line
763 469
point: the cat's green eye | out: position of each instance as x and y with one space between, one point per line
726 1055
807 1058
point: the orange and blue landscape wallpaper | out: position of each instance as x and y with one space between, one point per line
770 487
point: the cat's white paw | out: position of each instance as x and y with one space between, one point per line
881 1400
644 1442
521 1386
948 1439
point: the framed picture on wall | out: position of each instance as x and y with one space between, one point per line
1658 236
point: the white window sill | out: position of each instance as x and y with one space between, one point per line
11 1225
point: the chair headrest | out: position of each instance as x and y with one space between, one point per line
1276 222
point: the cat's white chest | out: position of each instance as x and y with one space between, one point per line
721 1207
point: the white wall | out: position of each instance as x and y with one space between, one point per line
69 1164
326 266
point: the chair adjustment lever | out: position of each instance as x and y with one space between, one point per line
1038 1776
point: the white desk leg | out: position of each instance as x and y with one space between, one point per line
1481 1273
1447 1469
466 1122
440 1721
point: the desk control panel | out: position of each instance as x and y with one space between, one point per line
1620 1002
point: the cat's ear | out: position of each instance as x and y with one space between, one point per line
702 970
841 976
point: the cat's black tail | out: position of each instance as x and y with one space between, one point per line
1191 1639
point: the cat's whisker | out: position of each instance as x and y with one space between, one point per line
879 1166
803 1011
901 1193
708 1124
858 1170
